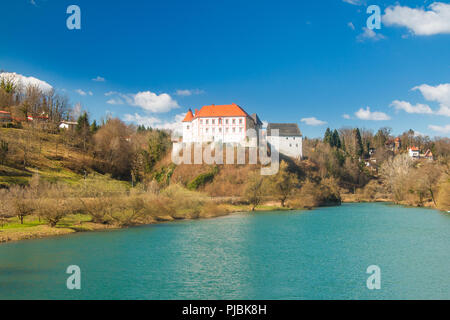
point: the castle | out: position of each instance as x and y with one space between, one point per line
229 124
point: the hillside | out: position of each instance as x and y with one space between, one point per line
49 156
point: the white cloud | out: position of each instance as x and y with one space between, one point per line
188 92
22 81
366 114
440 129
115 101
146 100
155 103
440 94
84 93
351 25
313 121
409 108
99 79
419 21
354 2
174 125
369 34
346 116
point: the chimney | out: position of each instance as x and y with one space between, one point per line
196 111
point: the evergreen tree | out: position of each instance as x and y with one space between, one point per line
94 127
359 148
83 122
328 136
336 141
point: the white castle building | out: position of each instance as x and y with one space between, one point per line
229 124
286 138
224 123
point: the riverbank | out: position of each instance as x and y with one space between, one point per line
32 228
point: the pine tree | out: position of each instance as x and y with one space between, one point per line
359 148
336 141
328 136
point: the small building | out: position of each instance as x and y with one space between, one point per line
289 139
5 117
393 145
67 125
428 155
414 152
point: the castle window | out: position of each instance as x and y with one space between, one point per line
213 121
234 130
207 121
206 130
201 121
240 129
226 121
234 121
188 127
240 121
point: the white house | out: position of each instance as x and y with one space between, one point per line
67 125
414 152
289 139
222 123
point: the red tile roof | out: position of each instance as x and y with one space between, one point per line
414 149
189 116
228 110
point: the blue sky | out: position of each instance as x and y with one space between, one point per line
285 60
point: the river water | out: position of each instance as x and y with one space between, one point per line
319 254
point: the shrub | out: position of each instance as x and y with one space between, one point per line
203 179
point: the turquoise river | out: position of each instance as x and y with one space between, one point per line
319 254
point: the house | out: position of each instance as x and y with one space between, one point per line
288 141
67 125
5 117
414 152
393 145
428 155
219 123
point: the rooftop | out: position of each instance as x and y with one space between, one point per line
285 129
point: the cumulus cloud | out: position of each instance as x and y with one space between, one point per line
174 125
440 94
146 100
409 108
188 92
155 103
22 81
419 21
369 34
354 2
99 79
441 129
313 121
346 116
84 93
366 114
